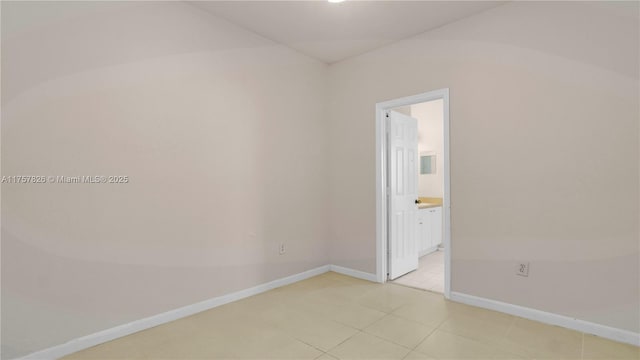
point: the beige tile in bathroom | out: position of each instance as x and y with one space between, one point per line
428 276
405 278
365 346
434 260
439 288
414 283
433 280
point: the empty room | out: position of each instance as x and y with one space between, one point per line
320 179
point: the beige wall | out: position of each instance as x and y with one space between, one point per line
223 137
430 116
544 153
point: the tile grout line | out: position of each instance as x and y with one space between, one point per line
362 331
343 341
392 341
389 341
479 341
400 300
485 343
327 351
506 332
423 340
313 346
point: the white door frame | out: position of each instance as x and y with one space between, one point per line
382 186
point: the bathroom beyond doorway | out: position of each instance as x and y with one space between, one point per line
429 274
385 189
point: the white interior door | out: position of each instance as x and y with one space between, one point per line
403 193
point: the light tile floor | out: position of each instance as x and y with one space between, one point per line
332 316
430 273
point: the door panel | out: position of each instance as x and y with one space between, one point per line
403 222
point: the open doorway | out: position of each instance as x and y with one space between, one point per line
413 193
429 272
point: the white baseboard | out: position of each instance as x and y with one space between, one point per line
354 273
604 331
100 337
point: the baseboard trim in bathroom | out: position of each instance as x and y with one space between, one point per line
103 336
611 333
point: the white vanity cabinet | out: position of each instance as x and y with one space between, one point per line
429 229
436 226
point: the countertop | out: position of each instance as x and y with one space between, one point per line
428 202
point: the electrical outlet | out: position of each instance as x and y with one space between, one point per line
282 249
522 268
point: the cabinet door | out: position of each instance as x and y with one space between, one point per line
436 226
428 229
421 231
428 239
424 231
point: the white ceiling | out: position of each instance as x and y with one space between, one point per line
333 32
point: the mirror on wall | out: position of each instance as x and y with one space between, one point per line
427 163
